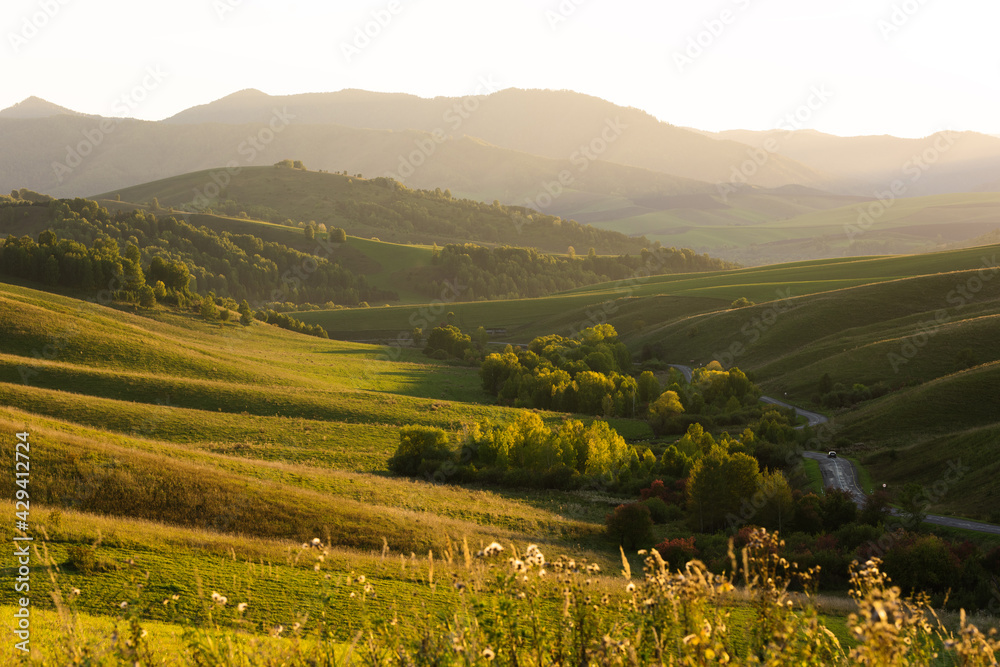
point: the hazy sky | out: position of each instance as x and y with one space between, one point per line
904 67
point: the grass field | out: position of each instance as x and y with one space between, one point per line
185 447
161 423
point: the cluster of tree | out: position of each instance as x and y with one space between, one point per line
584 373
23 197
714 396
67 263
829 530
525 453
290 323
589 373
836 395
448 341
512 273
291 164
240 266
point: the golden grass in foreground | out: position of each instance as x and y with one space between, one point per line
519 608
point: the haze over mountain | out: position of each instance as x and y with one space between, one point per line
554 124
940 163
564 153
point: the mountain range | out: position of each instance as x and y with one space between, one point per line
561 152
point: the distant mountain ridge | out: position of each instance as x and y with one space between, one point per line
553 124
560 152
36 107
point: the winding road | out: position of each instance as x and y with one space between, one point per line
841 474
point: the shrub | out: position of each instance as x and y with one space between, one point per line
678 551
82 558
657 510
418 444
630 525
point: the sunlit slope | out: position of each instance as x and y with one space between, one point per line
643 303
369 207
850 333
255 431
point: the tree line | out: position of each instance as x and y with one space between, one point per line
86 252
508 272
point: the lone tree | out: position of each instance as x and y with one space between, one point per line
208 309
246 314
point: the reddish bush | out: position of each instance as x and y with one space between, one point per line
827 542
678 551
672 495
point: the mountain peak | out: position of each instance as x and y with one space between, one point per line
36 107
245 94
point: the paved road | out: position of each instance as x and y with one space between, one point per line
814 417
841 473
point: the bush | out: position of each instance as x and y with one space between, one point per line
82 558
657 509
630 525
678 551
417 445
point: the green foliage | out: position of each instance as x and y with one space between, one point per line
719 485
449 339
529 453
578 374
509 272
147 297
270 316
648 387
208 309
913 503
658 510
420 447
663 410
182 256
82 558
246 313
631 526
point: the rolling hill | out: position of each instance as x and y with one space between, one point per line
943 162
369 207
532 148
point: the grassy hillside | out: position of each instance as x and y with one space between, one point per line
760 229
648 303
211 451
374 207
913 324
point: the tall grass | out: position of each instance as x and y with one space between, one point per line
514 606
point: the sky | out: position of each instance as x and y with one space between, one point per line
902 67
